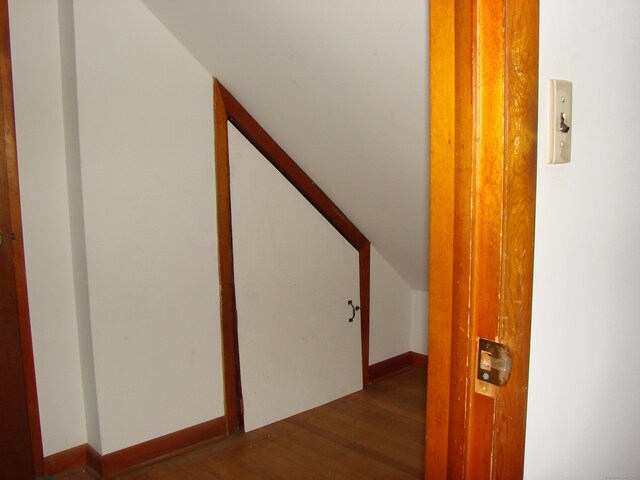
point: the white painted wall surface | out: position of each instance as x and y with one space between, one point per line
419 321
35 47
76 217
584 390
145 114
294 274
343 87
149 207
390 314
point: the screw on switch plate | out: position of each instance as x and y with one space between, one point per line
559 121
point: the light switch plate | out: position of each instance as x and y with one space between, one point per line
560 122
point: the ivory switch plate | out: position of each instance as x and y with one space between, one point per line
560 122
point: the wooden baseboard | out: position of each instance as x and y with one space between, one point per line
94 462
390 365
419 361
136 456
161 447
397 363
71 460
107 466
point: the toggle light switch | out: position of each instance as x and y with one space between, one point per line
560 122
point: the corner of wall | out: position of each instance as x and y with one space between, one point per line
419 321
390 311
41 145
76 218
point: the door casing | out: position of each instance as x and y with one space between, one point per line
484 104
20 398
228 109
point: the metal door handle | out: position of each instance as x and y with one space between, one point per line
355 309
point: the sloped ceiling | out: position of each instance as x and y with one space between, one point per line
341 85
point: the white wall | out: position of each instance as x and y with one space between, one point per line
390 311
35 47
419 321
584 390
76 217
117 186
145 115
355 73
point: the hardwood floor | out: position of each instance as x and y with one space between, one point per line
377 433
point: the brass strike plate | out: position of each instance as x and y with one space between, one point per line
494 362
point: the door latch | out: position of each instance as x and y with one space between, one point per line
494 362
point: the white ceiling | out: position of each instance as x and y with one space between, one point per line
341 85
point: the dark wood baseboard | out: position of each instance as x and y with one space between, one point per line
390 365
94 461
397 363
419 361
67 461
136 456
161 447
130 458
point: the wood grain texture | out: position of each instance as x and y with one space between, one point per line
377 433
516 283
16 337
495 117
486 216
442 159
465 152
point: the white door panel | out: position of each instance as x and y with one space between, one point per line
294 274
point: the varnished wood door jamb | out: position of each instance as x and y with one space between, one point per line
484 78
14 240
227 108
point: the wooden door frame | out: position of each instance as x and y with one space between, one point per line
14 239
484 105
228 109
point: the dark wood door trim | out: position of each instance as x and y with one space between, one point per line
14 279
484 104
227 108
364 254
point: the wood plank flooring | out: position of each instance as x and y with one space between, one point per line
377 433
